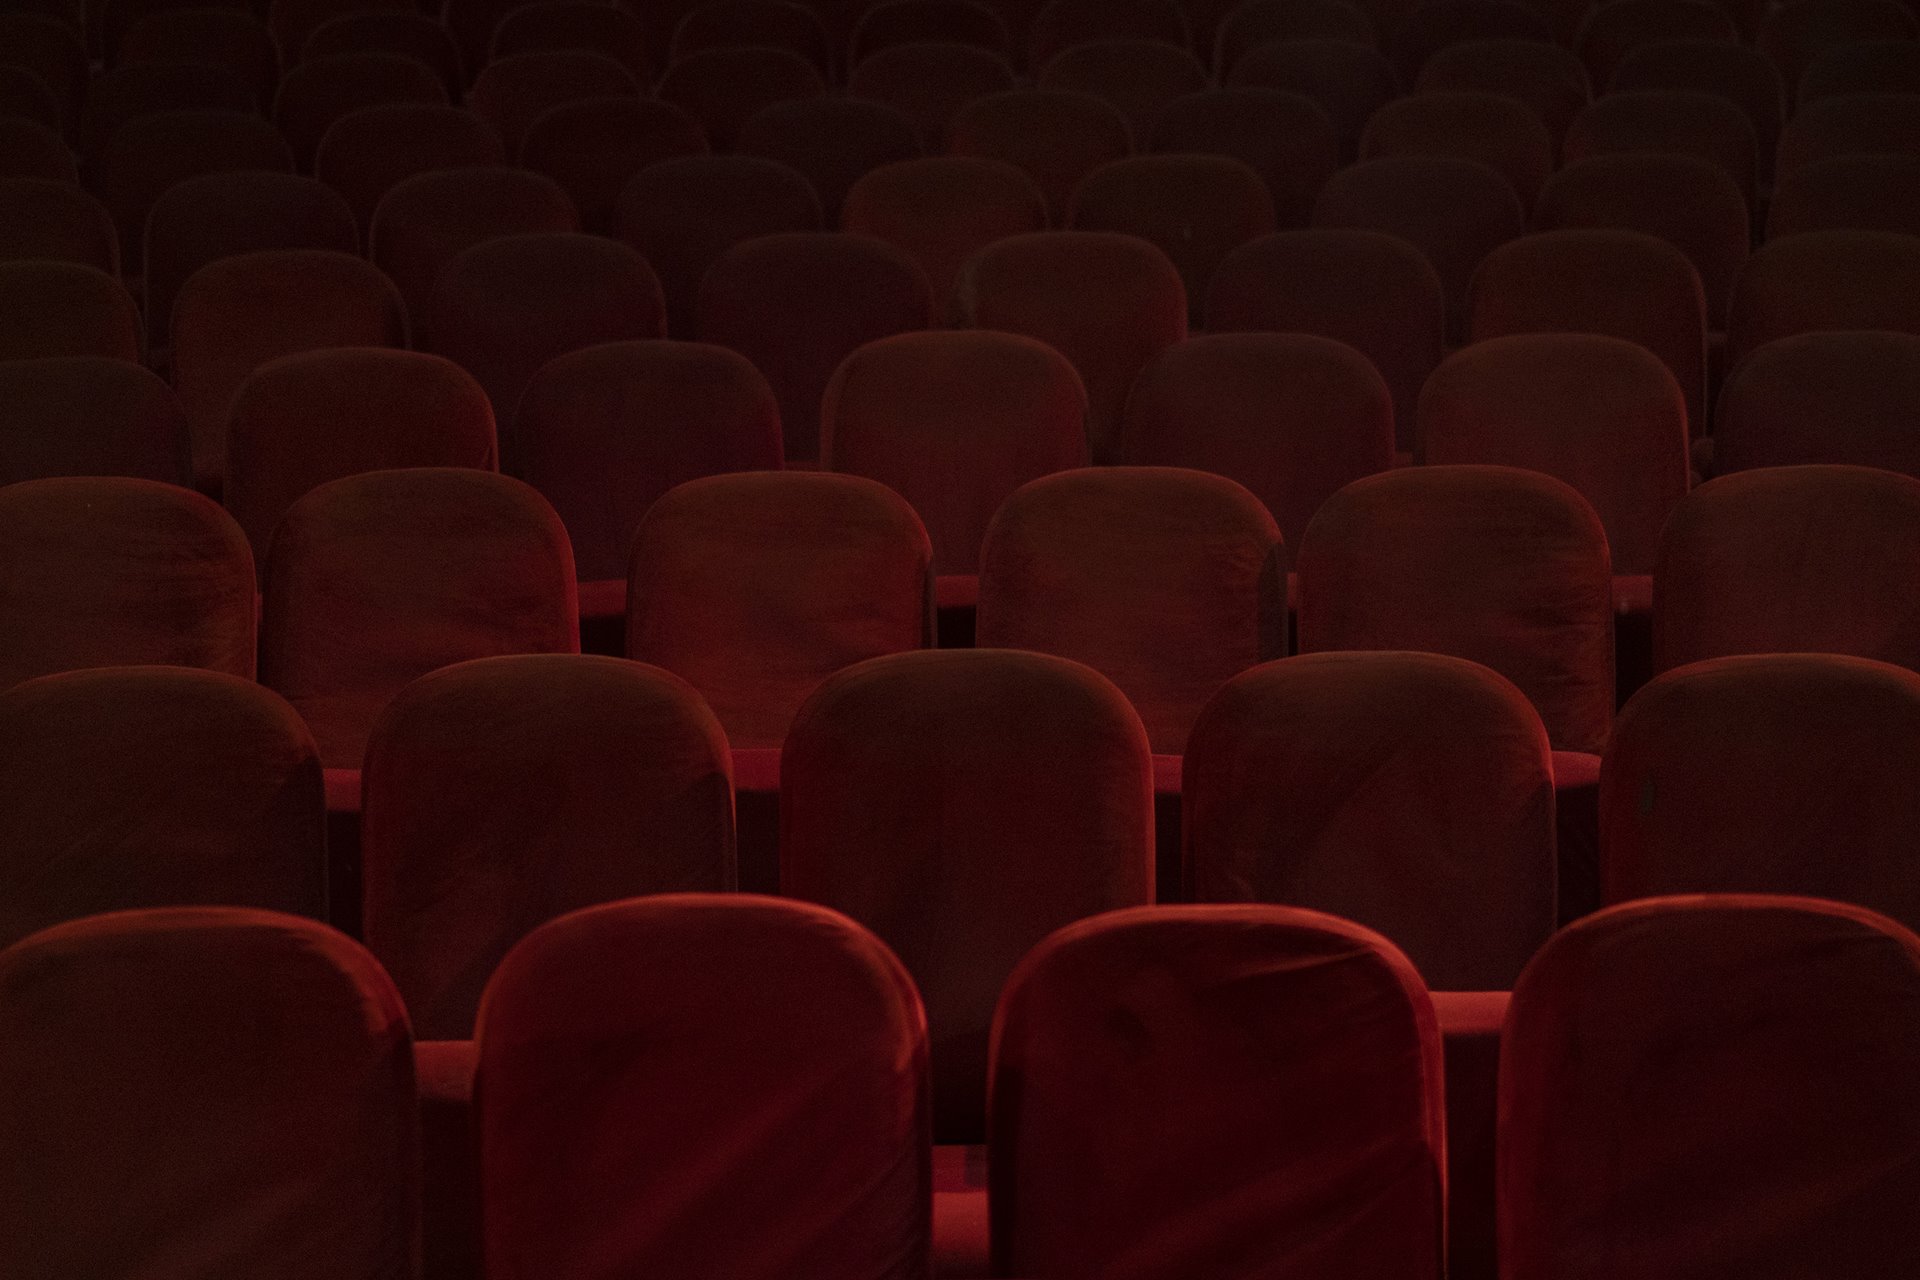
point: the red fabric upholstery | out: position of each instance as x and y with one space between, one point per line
592 147
1737 73
1245 27
108 572
756 587
1138 76
942 210
1410 792
1470 1041
609 30
604 431
1220 1091
155 786
371 151
52 50
1612 31
1062 24
501 793
767 24
58 222
1505 135
1168 582
239 313
1878 192
963 805
1347 79
121 94
1861 66
1826 280
798 304
1425 30
1304 282
1285 138
290 434
891 24
721 88
1851 125
1504 567
65 309
1108 302
411 35
1783 773
682 214
954 422
512 92
28 149
1684 122
25 96
1545 78
323 89
1794 33
1601 414
1812 559
205 1093
89 416
1056 137
292 21
929 83
1840 397
1702 1085
832 142
233 39
374 580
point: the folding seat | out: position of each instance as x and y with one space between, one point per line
1703 126
1285 138
791 1053
504 792
1613 31
1545 78
133 787
30 150
1056 137
205 219
1795 33
892 23
371 151
942 210
1861 66
1376 293
766 24
53 51
113 571
374 580
1245 27
1737 73
756 587
929 83
1503 567
1185 1091
1802 559
224 1089
1836 397
721 88
1194 208
954 422
146 156
24 96
1291 416
321 90
408 35
1138 77
512 93
594 146
1454 211
1692 204
1825 280
1669 1066
1863 192
1427 29
1849 125
65 309
117 96
1061 24
683 214
798 304
1344 78
832 142
1621 283
89 416
55 222
1202 595
608 30
1496 131
965 804
233 39
427 220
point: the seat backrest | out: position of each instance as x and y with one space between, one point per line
1839 397
55 221
722 87
368 152
593 146
1825 280
1348 79
1139 77
1678 121
1736 73
1285 137
1849 125
323 88
1055 136
1547 79
1505 135
832 142
512 91
89 416
1871 192
929 83
66 309
942 210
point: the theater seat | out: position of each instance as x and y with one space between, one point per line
1825 280
593 146
368 152
55 221
1285 138
1845 396
1055 136
1346 78
942 210
89 416
929 82
52 309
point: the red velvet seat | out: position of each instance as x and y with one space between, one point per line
1063 24
1713 1082
504 792
1139 77
1808 559
114 571
1505 135
612 31
57 222
705 1085
929 83
942 210
964 805
594 146
1677 122
1246 27
1345 78
756 587
1418 34
223 1091
54 52
409 35
1055 136
130 787
1867 192
1613 31
1854 124
321 90
1838 397
722 87
1292 416
1545 78
375 580
891 24
292 21
1793 34
832 142
29 149
1222 1091
89 416
52 308
1108 302
1861 66
1284 137
371 151
764 24
512 92
1825 280
24 96
126 93
1375 292
1738 73
798 304
233 39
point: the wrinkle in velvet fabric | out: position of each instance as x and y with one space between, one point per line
944 209
501 793
963 805
1409 792
1166 581
1844 397
712 1086
1231 1092
1503 567
378 579
1700 1087
756 587
1805 559
204 1094
102 572
89 416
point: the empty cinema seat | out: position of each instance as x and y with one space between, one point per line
1061 24
1348 79
55 221
1055 136
724 1085
1612 31
231 39
889 24
1861 66
1504 135
65 309
416 36
1284 137
1850 125
367 153
1860 192
1676 121
1793 34
832 142
1190 1091
225 1086
608 30
593 146
322 89
929 82
721 88
941 210
1138 77
1842 396
1243 28
1737 74
29 149
763 24
1547 79
513 91
504 792
89 416
1825 280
